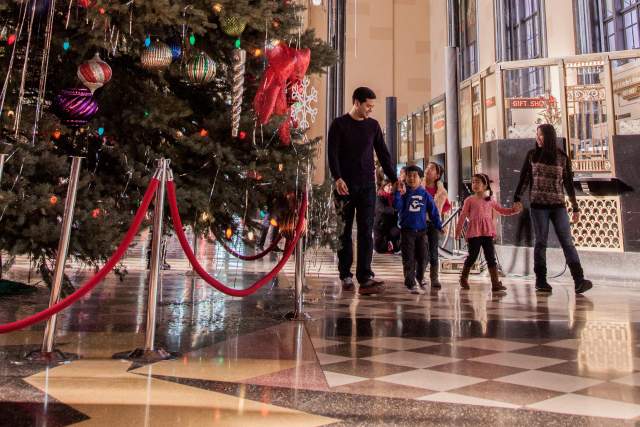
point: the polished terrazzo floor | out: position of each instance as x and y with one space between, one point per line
448 357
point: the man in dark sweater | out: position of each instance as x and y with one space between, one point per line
351 143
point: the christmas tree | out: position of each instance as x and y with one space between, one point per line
124 82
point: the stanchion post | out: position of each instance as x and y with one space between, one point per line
149 353
47 351
298 310
3 157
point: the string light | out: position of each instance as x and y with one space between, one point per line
273 222
100 131
53 200
56 134
204 132
237 44
217 8
228 233
192 39
66 45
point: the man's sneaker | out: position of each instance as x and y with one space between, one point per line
416 290
375 282
347 284
370 290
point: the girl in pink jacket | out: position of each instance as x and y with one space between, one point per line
479 210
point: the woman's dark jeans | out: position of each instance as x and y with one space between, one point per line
540 219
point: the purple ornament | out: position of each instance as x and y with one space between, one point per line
75 107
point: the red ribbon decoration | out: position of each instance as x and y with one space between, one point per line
287 67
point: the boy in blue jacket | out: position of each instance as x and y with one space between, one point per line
413 207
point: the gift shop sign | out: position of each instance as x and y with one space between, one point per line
530 103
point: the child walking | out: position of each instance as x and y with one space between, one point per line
413 207
479 210
432 175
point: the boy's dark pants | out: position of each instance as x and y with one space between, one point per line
413 244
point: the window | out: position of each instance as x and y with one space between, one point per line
607 25
520 36
468 39
520 27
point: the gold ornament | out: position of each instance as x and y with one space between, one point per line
232 25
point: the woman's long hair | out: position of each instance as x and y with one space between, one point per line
549 149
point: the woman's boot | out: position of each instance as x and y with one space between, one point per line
541 279
464 277
433 276
496 285
581 284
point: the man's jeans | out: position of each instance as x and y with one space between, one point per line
540 219
360 203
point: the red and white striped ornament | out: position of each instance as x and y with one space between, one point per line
94 73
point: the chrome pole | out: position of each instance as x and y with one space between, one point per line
149 353
156 247
298 310
3 157
47 352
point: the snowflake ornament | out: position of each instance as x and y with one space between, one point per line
302 111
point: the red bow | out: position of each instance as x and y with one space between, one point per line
287 67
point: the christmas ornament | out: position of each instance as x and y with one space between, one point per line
217 8
200 69
254 174
75 107
242 134
228 233
53 200
176 49
95 213
84 3
305 96
156 56
238 59
232 25
287 66
94 73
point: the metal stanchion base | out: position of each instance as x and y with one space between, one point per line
56 356
146 356
297 316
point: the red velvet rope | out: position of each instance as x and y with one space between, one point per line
262 254
177 225
100 275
